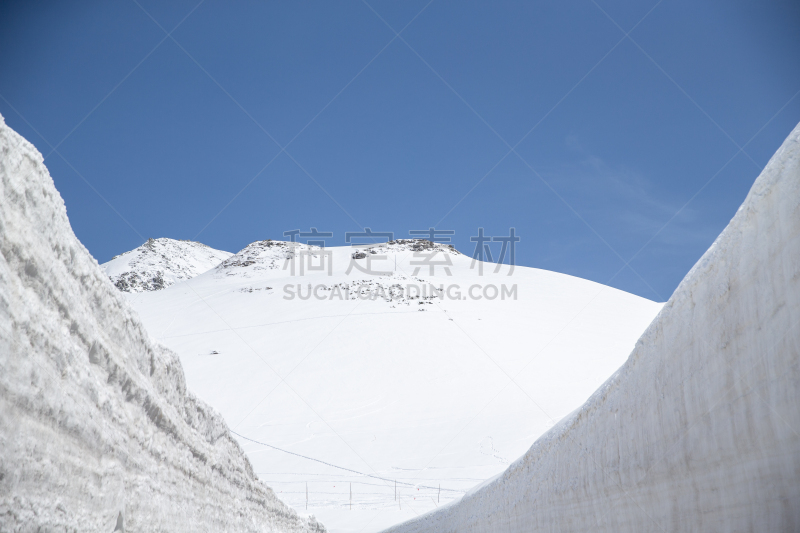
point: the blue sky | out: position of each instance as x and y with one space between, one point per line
253 118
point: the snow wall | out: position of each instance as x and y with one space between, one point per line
700 429
97 429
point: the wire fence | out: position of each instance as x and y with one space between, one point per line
372 476
318 494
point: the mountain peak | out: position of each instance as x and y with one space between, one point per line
159 263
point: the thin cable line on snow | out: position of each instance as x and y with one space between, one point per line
341 467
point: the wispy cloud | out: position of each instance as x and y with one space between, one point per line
630 205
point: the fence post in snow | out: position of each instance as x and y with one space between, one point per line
306 495
395 490
438 496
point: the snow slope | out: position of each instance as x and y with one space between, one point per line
97 429
700 429
399 384
160 263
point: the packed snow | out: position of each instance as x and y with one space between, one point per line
160 263
344 370
97 430
700 429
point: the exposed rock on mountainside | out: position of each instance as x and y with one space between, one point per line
260 255
273 255
700 428
97 429
414 245
159 263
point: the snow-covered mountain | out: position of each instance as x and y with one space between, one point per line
344 369
700 429
97 430
160 263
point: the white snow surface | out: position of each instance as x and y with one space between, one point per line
423 388
700 429
160 263
97 430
